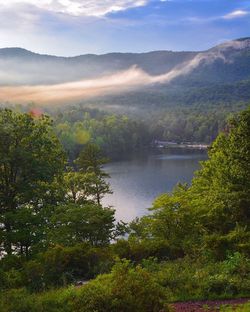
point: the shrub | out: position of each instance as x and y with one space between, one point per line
126 289
187 279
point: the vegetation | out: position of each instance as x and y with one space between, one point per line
31 160
121 132
190 219
239 308
116 135
54 231
108 293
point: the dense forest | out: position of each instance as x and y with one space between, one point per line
62 250
119 134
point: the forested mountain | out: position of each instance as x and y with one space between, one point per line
49 69
180 96
225 63
220 74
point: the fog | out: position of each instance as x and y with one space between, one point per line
121 81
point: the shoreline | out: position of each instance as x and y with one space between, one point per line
166 145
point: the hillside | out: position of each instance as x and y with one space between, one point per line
156 79
19 66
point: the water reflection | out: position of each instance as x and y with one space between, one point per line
138 180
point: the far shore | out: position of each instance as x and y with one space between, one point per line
166 144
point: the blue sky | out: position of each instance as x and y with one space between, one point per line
73 27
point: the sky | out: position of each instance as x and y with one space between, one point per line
74 27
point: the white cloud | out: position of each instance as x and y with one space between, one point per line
78 7
236 14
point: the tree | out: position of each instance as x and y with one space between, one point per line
31 159
171 223
220 192
91 161
213 214
77 185
72 224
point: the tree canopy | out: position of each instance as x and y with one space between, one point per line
213 214
31 158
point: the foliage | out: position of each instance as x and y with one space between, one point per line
120 135
190 218
126 289
114 134
221 189
77 186
30 159
239 308
58 266
73 224
172 222
192 279
90 162
137 250
193 245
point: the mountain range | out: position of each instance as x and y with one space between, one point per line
221 73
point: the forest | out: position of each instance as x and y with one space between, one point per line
119 133
62 250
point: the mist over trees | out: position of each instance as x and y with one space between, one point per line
119 135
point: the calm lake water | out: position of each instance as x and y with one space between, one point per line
138 180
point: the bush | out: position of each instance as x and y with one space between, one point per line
187 279
60 266
239 308
126 289
136 250
10 279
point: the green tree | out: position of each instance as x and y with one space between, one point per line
72 224
171 223
220 192
77 186
211 216
31 159
91 161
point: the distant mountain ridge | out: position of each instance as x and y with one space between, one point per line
152 79
25 67
231 60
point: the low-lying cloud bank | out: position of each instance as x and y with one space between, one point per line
122 81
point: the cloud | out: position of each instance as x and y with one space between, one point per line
77 7
230 16
64 92
122 81
236 14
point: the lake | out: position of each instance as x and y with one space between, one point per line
138 180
